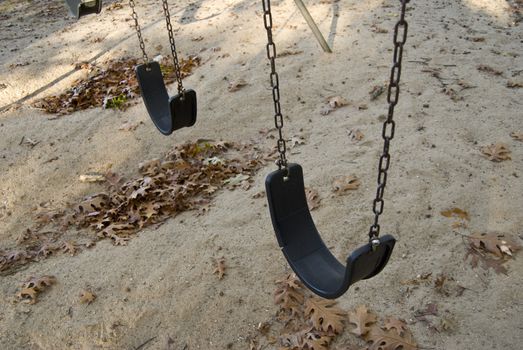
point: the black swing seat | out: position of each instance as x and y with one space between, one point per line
81 8
168 114
303 247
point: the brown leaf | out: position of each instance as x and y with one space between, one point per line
236 85
289 295
487 262
324 314
398 325
514 84
496 152
313 198
306 339
390 340
219 267
355 135
363 319
518 136
456 212
337 102
69 247
345 183
87 297
494 244
489 70
33 286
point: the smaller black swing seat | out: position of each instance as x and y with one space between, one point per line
303 247
81 8
167 113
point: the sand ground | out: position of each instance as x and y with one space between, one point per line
161 285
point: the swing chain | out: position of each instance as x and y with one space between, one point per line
138 31
275 85
177 71
393 91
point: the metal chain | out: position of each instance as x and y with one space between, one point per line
177 71
275 84
138 31
400 37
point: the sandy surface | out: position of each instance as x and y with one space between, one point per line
161 285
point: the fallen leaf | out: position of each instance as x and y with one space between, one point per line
496 152
489 70
236 85
33 286
313 198
345 183
219 268
363 319
518 136
129 126
306 339
337 102
456 212
69 247
325 316
355 135
87 297
289 295
398 325
514 84
494 244
390 340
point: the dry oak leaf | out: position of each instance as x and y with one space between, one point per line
87 297
399 325
325 315
493 243
307 339
69 247
219 268
363 319
345 183
356 135
236 85
518 136
496 152
289 294
487 262
337 102
390 340
313 198
33 286
456 212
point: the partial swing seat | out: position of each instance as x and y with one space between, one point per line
167 113
303 247
81 8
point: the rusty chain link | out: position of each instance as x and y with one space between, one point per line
393 91
173 47
275 85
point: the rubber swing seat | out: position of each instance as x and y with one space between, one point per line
79 8
303 247
168 114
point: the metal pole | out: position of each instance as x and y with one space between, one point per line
308 18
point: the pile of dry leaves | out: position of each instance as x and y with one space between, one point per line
110 87
306 322
186 179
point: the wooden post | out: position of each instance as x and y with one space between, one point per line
308 18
